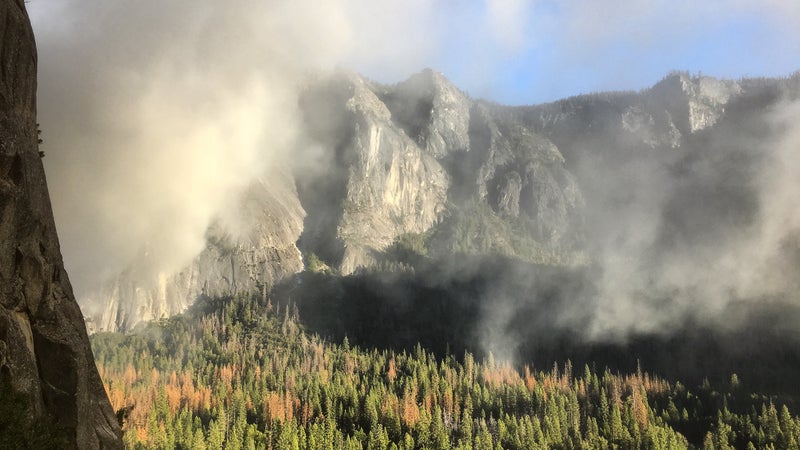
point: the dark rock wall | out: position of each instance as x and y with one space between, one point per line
44 349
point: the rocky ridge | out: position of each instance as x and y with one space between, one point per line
422 158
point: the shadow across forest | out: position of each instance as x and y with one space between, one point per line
449 310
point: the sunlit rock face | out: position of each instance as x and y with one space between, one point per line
44 349
659 117
378 182
697 101
707 98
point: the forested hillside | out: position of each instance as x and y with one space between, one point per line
243 373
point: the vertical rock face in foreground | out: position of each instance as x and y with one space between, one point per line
45 356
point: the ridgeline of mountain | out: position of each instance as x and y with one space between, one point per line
420 161
51 395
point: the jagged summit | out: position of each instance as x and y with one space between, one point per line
701 99
432 111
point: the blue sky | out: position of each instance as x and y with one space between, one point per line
511 51
519 51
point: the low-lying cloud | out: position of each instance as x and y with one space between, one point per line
156 114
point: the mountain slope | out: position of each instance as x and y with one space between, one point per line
637 183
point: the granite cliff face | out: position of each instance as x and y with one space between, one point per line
547 184
379 183
45 358
410 158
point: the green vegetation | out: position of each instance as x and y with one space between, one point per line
475 229
408 248
241 373
314 264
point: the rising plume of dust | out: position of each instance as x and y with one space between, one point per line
702 237
156 115
697 247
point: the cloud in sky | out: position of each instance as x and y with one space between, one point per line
156 113
508 21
